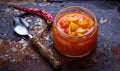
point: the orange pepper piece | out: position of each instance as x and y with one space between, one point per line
69 31
83 23
66 31
64 24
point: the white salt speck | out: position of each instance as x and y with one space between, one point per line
47 38
29 20
22 41
102 20
6 55
24 44
7 10
16 45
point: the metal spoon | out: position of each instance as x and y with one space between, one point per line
21 27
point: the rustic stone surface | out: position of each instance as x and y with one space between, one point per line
17 54
116 51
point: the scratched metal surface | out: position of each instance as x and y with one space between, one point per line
106 56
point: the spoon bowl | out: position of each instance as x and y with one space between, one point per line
21 27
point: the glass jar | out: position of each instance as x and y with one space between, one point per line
74 46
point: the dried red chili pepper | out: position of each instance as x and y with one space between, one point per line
48 16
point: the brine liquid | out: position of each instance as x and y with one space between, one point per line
70 25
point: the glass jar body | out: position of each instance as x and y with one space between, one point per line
75 46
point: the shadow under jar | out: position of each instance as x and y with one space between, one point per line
75 31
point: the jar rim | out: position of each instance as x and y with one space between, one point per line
82 8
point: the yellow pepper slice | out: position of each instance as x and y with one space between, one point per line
72 34
81 30
73 26
79 34
91 24
70 19
83 23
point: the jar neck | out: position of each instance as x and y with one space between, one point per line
88 12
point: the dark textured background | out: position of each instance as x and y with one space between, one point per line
106 56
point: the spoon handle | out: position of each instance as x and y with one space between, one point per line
46 52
